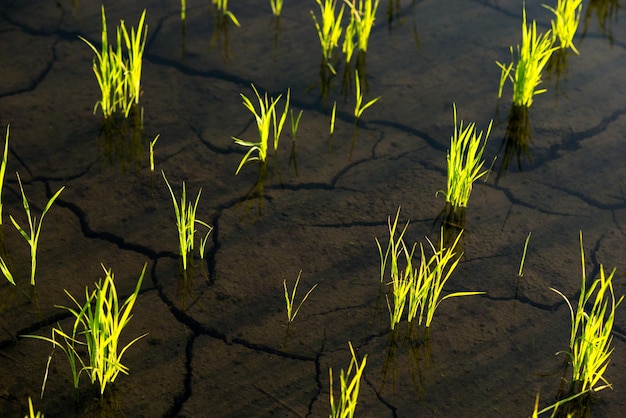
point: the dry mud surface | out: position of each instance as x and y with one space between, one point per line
217 345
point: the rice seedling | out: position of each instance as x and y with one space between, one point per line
359 107
333 115
532 56
222 6
3 168
290 298
31 410
590 336
183 9
31 237
363 17
565 22
350 384
265 118
152 144
330 29
119 78
464 161
277 7
295 122
417 289
101 320
186 224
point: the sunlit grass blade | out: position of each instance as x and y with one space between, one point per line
350 383
152 144
277 7
31 410
3 168
290 298
32 236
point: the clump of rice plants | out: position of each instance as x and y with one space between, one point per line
119 74
186 224
350 384
416 288
532 56
98 325
267 121
464 161
329 31
590 337
565 22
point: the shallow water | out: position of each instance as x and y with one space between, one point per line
218 344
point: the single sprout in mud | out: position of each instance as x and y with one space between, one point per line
32 236
266 121
186 224
359 107
289 298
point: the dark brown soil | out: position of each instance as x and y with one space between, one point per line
218 345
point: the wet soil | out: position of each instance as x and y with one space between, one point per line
218 344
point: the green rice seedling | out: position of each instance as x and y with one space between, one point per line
186 223
363 16
590 335
103 320
289 298
330 29
66 343
520 272
464 161
350 383
359 107
277 7
183 9
31 237
532 56
31 410
265 119
222 6
3 168
119 78
565 22
152 144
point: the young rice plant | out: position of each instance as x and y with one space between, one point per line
186 223
565 22
330 29
532 56
119 76
590 335
222 6
350 383
289 298
464 162
32 236
267 121
98 325
362 19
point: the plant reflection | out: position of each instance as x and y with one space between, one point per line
605 10
516 140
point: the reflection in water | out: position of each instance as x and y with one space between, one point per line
605 10
121 140
516 139
557 67
219 36
419 360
